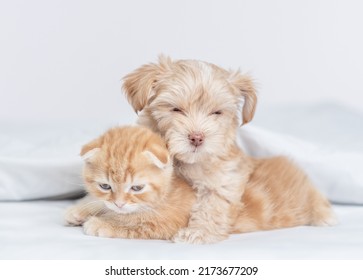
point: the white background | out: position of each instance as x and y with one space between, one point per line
63 60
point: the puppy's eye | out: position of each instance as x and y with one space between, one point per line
219 112
176 110
105 187
137 188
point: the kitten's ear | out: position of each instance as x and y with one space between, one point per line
87 156
246 89
158 157
91 148
139 85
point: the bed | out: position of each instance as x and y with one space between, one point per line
39 179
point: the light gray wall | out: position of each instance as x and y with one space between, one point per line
63 60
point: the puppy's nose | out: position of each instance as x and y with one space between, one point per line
196 138
119 204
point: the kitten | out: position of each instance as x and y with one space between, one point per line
133 192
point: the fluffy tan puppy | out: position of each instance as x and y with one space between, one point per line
196 107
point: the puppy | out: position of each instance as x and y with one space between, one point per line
196 107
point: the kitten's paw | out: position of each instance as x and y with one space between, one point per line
197 236
74 217
97 227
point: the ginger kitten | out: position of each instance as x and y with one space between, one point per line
134 193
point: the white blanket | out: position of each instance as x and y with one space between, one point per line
41 161
326 140
335 172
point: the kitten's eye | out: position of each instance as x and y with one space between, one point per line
137 188
219 112
176 110
105 187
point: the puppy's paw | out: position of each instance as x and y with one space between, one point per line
74 216
326 220
197 236
324 216
97 227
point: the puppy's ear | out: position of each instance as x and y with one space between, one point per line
139 85
246 89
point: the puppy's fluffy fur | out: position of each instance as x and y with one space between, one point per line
181 98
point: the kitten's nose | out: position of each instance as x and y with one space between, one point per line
196 138
119 204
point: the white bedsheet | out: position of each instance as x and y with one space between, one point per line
35 230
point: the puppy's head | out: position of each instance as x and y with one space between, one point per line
195 105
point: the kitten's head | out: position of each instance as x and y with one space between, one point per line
128 168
